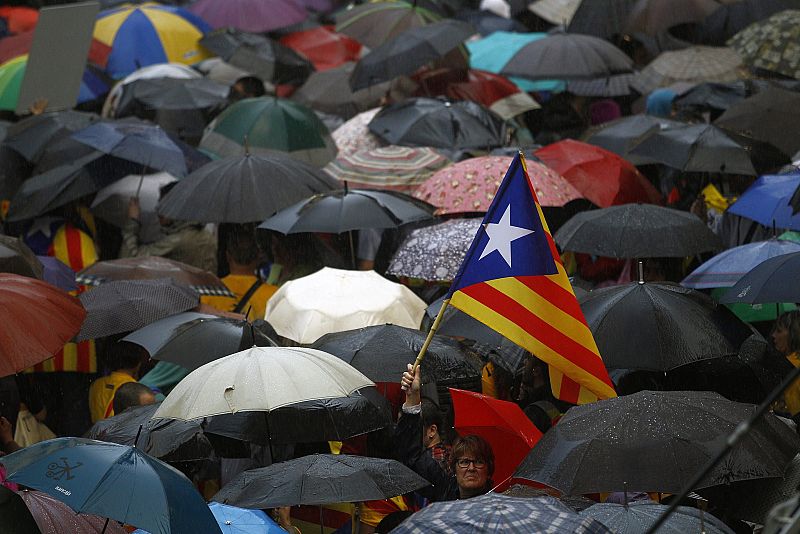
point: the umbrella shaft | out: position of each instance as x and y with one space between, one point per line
431 332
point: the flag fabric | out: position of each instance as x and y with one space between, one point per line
512 280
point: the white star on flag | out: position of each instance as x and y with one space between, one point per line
501 234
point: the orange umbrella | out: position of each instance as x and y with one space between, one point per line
503 424
36 320
601 176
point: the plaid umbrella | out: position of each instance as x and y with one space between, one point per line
434 253
470 185
772 44
498 513
392 167
696 64
132 304
354 135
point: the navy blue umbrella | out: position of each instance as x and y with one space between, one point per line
773 280
114 481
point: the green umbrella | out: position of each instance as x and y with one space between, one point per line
11 74
790 236
265 124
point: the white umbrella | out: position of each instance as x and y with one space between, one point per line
334 300
159 70
261 379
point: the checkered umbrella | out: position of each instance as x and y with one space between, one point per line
497 513
696 64
772 44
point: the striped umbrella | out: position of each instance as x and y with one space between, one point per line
149 33
397 168
268 124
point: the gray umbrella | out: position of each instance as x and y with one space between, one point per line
567 56
16 257
622 135
320 479
697 148
329 91
638 516
637 231
128 305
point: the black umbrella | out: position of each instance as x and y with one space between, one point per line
193 339
732 17
242 189
141 143
408 51
14 514
666 326
32 134
601 18
128 305
320 479
773 280
656 441
264 57
771 115
14 169
697 148
329 91
16 257
567 56
382 352
638 516
171 94
622 135
637 231
63 184
335 419
713 96
439 123
344 210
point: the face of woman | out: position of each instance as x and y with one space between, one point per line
471 475
780 338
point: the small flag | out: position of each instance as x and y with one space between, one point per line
512 280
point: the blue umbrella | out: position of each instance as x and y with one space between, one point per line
114 481
60 275
233 520
726 268
774 280
493 52
138 142
767 201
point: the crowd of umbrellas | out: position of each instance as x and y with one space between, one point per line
403 118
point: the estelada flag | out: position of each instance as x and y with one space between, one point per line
512 280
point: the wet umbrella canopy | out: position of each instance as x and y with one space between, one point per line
55 517
320 479
638 516
656 441
773 280
14 515
16 257
382 352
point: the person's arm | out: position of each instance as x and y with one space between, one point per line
131 247
7 442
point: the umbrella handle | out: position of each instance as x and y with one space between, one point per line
431 332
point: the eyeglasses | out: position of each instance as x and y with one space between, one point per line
463 463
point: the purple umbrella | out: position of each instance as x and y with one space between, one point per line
256 16
57 273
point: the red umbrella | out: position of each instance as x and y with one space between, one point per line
36 320
324 47
19 18
503 424
601 176
19 44
470 185
53 517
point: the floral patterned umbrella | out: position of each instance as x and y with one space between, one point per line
435 253
397 168
354 135
470 185
772 44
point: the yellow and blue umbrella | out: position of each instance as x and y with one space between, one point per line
145 34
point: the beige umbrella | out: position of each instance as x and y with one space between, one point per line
555 11
696 64
261 379
354 135
335 300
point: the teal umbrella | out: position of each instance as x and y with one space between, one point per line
266 124
114 481
493 51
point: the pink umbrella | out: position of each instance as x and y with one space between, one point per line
470 185
354 135
53 517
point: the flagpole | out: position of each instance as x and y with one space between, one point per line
434 327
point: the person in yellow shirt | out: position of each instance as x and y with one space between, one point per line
128 361
786 338
251 293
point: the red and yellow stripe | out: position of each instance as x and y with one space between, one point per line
542 315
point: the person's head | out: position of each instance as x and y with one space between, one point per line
132 394
127 356
241 250
246 87
431 423
786 333
473 464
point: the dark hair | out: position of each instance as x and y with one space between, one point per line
475 446
431 414
790 321
126 355
128 395
251 86
242 247
392 521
